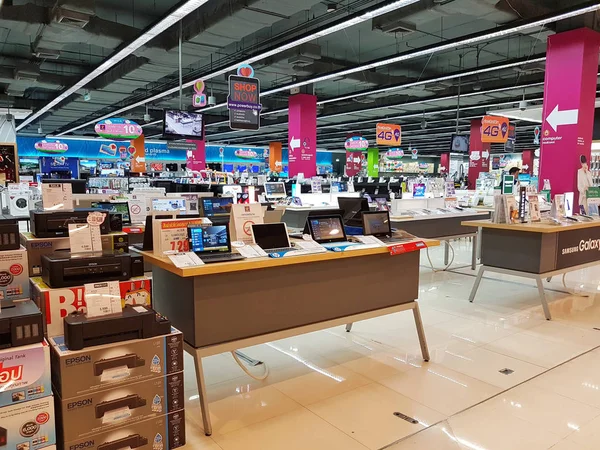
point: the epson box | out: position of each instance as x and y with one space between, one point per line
14 277
24 373
161 433
82 372
86 415
29 425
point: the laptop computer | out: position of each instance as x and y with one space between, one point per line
353 208
378 224
211 243
295 220
217 209
272 237
116 208
329 232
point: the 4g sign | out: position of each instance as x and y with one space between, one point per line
494 129
388 134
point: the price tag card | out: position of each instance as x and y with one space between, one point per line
399 249
102 298
84 238
185 259
57 196
252 251
370 240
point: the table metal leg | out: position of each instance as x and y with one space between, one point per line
540 286
348 327
476 285
421 332
202 394
474 253
549 279
446 253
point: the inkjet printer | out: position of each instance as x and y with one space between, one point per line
21 324
132 441
64 269
9 234
135 322
48 224
130 401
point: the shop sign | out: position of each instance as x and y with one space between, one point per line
394 153
536 136
243 101
356 144
51 146
388 134
494 129
414 153
199 98
577 247
118 128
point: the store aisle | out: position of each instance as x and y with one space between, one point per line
490 370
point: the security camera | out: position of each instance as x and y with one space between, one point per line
147 117
523 105
212 100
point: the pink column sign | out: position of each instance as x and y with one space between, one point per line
196 159
479 154
569 102
302 135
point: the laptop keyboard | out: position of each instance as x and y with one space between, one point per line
281 250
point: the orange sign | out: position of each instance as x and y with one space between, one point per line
137 151
275 159
388 134
494 129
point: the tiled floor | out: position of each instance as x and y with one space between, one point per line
338 390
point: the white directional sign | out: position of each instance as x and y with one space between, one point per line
567 117
294 143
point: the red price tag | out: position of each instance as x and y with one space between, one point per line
399 249
180 246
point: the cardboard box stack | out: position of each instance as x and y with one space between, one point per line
120 395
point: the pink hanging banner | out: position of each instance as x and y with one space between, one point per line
527 166
353 163
479 154
569 103
196 159
302 135
445 162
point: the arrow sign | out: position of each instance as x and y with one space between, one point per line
140 160
557 118
526 167
485 154
294 143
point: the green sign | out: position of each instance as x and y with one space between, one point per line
593 192
373 162
508 184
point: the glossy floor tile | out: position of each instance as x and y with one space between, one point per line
337 390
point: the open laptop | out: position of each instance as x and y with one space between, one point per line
378 224
272 237
217 209
329 232
353 208
295 220
115 208
211 243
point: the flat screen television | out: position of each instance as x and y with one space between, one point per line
183 124
460 143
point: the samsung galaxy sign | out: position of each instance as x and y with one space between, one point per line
584 246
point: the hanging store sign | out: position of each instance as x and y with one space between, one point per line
243 101
394 153
356 144
52 146
388 134
199 98
494 129
117 128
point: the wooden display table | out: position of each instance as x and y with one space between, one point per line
536 250
226 306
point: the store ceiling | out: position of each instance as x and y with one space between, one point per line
48 46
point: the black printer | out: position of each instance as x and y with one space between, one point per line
21 324
64 269
48 224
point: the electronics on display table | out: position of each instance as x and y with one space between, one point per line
536 250
225 306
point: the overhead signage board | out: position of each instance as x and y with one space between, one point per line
117 128
243 101
494 129
388 134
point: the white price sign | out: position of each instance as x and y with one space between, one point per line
84 238
57 196
102 298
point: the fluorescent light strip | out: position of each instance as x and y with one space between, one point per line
341 26
185 9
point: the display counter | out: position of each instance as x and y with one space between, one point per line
446 227
226 306
536 250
